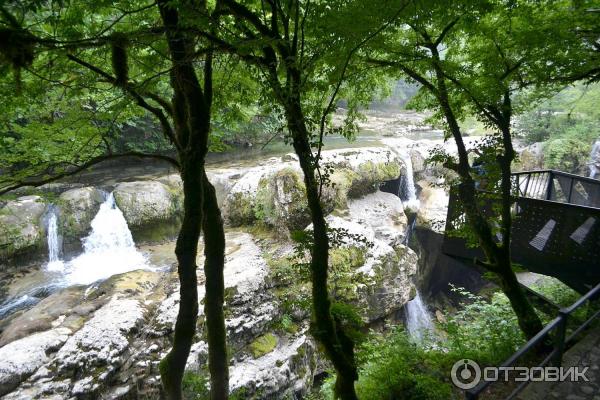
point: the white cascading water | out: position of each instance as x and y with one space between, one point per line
595 160
108 250
408 191
418 321
55 264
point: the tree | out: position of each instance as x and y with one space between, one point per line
65 44
304 51
474 58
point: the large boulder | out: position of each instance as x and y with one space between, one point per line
433 207
281 201
78 209
531 157
287 369
23 357
382 281
152 208
276 194
21 229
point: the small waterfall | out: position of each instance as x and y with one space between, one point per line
412 222
418 321
594 162
407 190
54 244
108 250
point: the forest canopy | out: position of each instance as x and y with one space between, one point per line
176 80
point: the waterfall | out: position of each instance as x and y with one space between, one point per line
407 190
54 243
595 160
410 227
108 250
418 321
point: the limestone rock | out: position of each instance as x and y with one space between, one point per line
434 207
289 368
281 201
78 208
145 202
21 358
275 194
152 208
20 228
103 339
42 316
383 284
531 157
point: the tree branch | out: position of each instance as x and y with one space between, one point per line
96 160
128 88
445 31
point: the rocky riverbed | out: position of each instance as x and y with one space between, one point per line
105 339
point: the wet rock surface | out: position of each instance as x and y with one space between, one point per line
78 208
21 233
105 340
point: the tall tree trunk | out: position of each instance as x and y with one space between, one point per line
498 255
214 251
338 347
172 366
191 113
528 320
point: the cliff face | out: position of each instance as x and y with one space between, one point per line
107 339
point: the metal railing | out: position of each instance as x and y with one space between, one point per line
560 340
558 186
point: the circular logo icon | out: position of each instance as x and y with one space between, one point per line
465 374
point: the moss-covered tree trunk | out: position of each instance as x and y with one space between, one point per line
191 115
528 320
214 251
172 366
338 347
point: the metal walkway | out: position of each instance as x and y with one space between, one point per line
556 227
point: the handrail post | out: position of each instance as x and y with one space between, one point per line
549 187
561 331
526 185
570 190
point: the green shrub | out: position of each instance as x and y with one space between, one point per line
486 331
567 153
392 367
558 292
195 386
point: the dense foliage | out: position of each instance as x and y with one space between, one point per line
483 329
172 79
568 124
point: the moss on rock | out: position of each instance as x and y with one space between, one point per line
239 209
370 175
21 233
281 201
263 345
